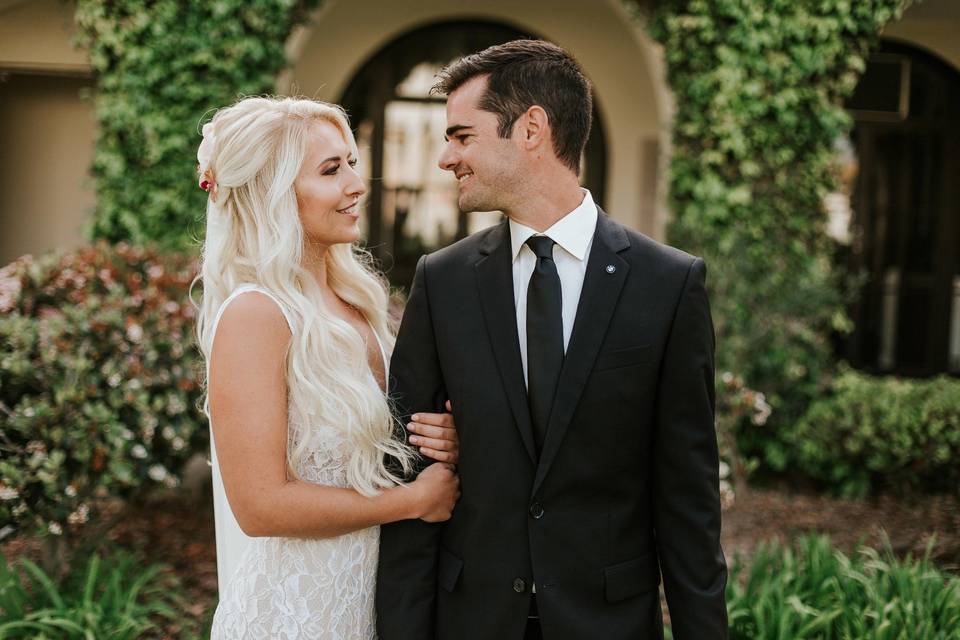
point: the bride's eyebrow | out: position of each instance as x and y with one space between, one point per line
335 158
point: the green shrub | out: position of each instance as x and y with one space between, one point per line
99 389
160 65
815 591
759 88
880 433
116 598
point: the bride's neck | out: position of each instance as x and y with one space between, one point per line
316 264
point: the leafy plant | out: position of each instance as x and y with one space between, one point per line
113 598
872 433
99 384
814 591
759 87
161 65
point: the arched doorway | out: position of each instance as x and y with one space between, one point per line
906 215
412 203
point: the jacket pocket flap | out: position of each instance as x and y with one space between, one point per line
631 578
449 569
623 357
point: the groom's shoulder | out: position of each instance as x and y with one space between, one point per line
654 254
464 252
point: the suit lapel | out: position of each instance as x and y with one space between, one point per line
598 299
495 283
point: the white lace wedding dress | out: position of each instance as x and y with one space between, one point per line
287 588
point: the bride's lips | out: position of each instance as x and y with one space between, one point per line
352 210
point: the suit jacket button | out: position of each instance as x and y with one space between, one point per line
536 510
519 585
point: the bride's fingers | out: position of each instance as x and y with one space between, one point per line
433 443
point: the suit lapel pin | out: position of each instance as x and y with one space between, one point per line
611 268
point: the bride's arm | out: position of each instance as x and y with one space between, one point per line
248 408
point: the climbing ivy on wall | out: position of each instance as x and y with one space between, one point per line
759 87
160 65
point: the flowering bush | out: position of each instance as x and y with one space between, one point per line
735 404
99 386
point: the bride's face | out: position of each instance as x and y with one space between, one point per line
328 188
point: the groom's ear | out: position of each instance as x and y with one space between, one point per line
533 127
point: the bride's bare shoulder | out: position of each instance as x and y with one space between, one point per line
252 326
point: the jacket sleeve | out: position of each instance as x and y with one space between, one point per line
686 481
407 570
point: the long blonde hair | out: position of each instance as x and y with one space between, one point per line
252 152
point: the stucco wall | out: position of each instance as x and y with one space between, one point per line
37 35
933 25
47 134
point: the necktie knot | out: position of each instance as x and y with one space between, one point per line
542 246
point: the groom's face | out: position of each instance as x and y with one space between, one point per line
487 167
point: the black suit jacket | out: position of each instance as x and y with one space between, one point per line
626 487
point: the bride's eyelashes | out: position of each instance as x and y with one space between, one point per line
334 169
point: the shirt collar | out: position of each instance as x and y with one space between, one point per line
573 232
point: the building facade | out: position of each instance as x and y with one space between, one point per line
898 216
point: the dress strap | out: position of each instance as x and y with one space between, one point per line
246 288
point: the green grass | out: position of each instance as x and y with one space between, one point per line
812 590
114 598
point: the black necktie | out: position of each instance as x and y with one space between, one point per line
544 335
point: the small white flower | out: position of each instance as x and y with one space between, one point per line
724 469
727 377
80 516
157 473
71 491
727 495
134 332
55 529
134 384
114 380
138 451
8 493
126 434
29 412
178 444
168 433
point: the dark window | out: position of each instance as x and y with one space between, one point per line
906 216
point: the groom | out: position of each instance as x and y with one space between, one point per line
578 355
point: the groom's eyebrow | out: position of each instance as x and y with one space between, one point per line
454 129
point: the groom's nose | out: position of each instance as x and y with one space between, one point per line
448 158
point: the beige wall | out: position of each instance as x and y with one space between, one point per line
620 60
933 25
37 35
47 131
47 134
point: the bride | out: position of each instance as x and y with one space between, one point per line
293 327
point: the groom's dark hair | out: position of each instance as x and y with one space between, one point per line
523 73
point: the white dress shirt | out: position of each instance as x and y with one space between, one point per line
573 235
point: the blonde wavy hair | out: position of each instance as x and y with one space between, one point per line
251 155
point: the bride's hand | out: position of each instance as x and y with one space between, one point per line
435 435
437 489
